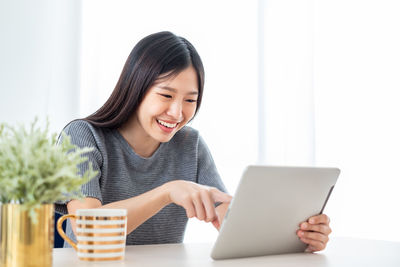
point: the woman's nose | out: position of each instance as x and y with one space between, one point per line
175 110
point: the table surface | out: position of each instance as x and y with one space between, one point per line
340 252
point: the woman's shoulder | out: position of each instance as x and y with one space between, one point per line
83 131
79 126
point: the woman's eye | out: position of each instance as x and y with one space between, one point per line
166 96
191 100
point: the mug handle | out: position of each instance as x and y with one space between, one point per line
61 231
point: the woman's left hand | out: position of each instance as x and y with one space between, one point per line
314 232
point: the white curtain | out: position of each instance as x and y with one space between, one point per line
357 85
331 91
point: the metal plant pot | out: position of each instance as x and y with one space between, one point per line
23 242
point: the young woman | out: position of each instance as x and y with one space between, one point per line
149 162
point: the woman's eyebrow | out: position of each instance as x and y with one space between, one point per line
174 90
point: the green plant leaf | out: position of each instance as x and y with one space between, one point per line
34 170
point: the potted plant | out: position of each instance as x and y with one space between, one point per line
35 172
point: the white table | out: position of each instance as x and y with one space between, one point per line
341 252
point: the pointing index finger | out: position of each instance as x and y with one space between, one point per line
219 196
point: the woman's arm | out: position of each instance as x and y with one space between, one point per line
139 208
197 200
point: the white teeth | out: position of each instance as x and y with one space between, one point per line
166 124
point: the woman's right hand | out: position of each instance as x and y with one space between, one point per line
198 200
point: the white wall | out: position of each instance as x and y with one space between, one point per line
39 61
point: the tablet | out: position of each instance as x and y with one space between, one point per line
268 206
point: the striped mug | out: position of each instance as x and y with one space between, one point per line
100 233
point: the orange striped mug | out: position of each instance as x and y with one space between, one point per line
100 233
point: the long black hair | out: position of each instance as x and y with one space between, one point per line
159 55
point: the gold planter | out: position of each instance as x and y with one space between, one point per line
23 243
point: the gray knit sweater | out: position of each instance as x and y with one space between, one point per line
124 174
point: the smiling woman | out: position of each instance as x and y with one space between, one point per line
165 109
149 161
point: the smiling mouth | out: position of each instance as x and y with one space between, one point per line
166 124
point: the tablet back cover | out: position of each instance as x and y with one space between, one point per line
267 208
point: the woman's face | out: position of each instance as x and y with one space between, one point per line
168 105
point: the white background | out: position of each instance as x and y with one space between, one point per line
287 82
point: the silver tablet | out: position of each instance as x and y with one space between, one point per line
267 208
